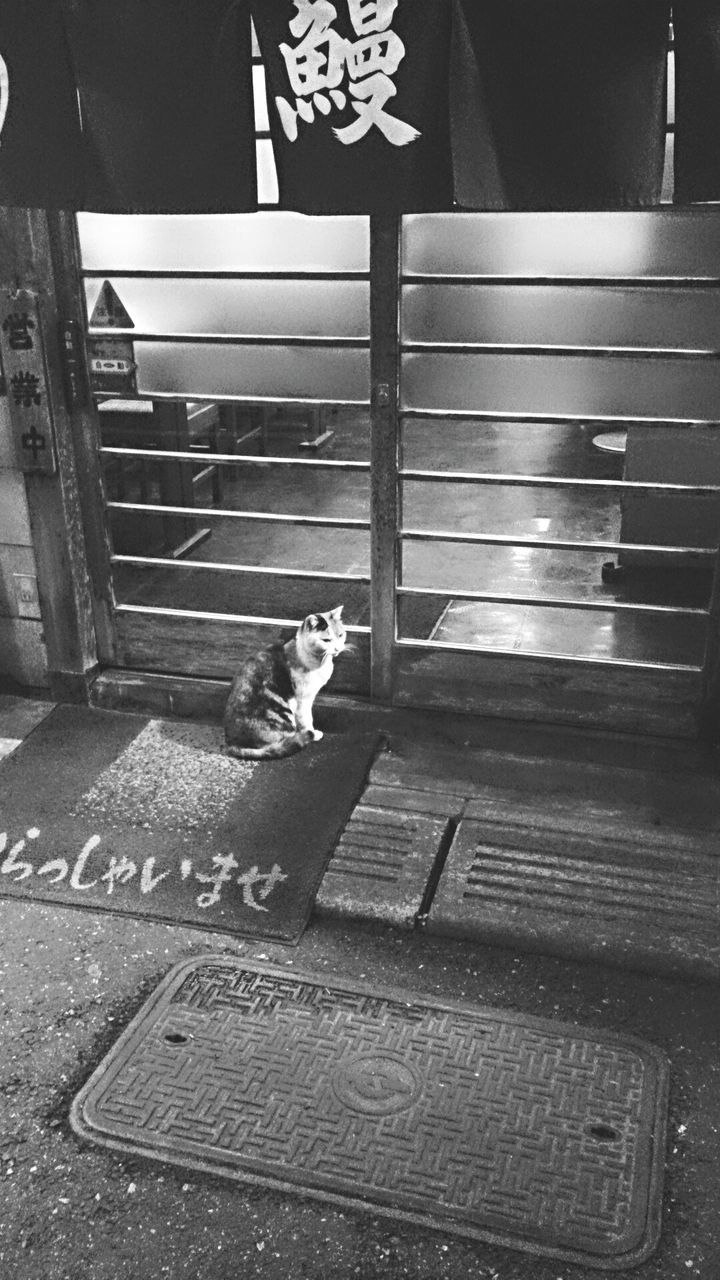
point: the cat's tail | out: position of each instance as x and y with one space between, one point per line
288 746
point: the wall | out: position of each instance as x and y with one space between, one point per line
22 648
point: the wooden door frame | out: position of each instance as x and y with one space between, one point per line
38 254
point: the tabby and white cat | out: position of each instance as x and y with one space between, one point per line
269 711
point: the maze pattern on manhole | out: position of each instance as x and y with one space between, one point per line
492 1125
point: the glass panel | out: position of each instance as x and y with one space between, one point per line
564 514
233 540
563 386
223 242
276 372
283 308
205 547
537 315
510 448
260 595
328 433
543 512
545 573
674 243
246 487
562 632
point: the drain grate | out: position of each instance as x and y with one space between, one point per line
491 1125
382 863
654 905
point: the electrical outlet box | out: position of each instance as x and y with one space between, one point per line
26 595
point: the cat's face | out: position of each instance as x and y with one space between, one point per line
323 634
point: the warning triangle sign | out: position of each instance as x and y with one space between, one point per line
109 312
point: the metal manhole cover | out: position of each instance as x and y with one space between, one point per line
495 1126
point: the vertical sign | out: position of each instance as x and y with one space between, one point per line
23 360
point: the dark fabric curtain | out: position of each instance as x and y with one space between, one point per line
358 95
697 99
560 104
40 146
166 98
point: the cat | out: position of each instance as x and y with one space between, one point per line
268 714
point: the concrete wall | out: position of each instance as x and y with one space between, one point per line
22 649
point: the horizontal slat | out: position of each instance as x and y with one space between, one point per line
200 615
235 459
556 544
273 372
553 316
589 351
223 242
217 513
671 244
321 343
540 386
265 570
552 602
584 660
553 482
197 645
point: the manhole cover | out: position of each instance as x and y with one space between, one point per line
495 1126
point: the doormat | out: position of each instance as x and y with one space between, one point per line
519 1131
116 812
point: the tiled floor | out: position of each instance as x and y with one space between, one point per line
18 717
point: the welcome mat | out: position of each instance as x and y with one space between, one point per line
121 813
516 1130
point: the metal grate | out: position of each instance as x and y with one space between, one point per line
529 1133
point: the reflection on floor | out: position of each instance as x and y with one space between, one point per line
544 513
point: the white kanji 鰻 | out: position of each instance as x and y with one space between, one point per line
328 71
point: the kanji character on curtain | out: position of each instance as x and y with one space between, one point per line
359 102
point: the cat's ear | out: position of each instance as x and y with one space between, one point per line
335 613
311 622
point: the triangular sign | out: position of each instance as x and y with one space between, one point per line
109 312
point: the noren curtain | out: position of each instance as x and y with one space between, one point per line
560 104
41 162
166 96
697 99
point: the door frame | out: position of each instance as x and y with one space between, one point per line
74 570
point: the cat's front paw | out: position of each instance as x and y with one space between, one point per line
317 735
